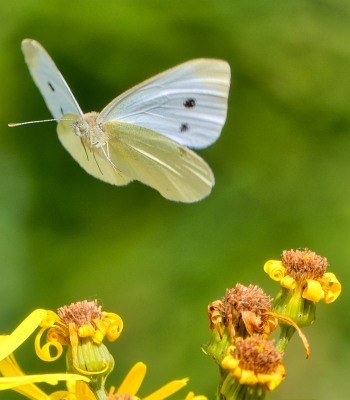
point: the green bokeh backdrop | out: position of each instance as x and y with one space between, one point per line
282 179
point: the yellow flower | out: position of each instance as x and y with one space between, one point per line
14 378
306 270
253 361
82 326
129 388
304 280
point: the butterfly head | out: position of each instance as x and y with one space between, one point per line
83 126
90 131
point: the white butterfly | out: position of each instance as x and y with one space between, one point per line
142 133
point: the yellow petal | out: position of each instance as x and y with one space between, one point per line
288 282
77 390
86 330
116 327
332 287
50 319
133 379
264 378
52 379
276 379
248 377
229 363
62 395
313 291
167 390
191 396
275 269
21 333
10 368
83 391
44 352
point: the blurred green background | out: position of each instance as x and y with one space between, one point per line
281 166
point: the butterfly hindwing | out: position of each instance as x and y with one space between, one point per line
176 172
138 153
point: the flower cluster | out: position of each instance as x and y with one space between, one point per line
241 322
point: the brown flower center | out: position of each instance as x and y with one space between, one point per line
257 354
80 313
304 264
246 298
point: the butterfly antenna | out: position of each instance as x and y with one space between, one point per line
13 124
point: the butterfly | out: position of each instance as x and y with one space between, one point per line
145 133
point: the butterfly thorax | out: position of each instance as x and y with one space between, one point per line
90 131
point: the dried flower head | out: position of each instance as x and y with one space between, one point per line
216 314
244 310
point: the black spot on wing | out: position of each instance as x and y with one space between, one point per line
61 109
51 86
184 128
189 103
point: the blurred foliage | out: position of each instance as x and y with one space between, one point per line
281 165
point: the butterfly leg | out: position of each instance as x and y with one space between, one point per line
82 142
98 165
107 147
106 154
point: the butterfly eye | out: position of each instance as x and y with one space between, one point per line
81 128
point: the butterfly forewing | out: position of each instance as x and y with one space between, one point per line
57 95
187 103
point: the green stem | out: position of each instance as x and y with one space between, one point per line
231 389
98 388
287 332
100 394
